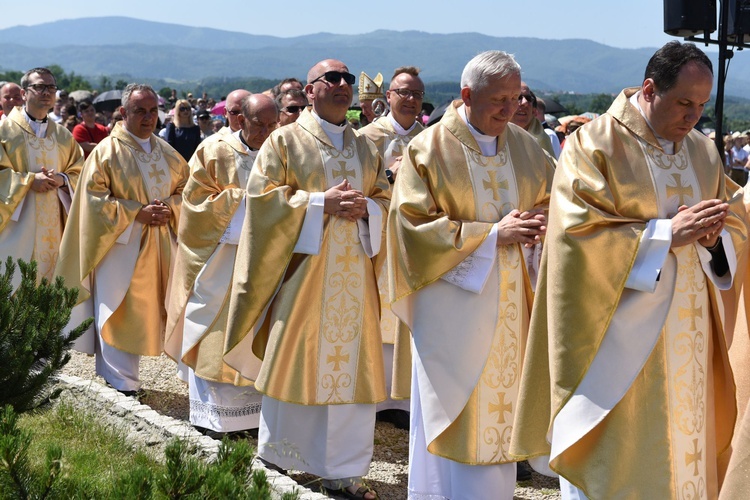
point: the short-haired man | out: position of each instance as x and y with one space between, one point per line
205 124
525 117
391 134
627 324
467 210
291 103
88 133
541 109
39 167
117 247
232 110
10 97
284 85
305 296
212 213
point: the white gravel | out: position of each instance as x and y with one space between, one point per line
166 394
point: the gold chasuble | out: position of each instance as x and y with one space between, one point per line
313 319
642 396
108 254
31 223
219 171
537 131
392 146
468 347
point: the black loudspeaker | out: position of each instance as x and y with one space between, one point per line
739 20
689 17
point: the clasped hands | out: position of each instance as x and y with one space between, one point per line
345 201
702 222
47 180
157 213
522 227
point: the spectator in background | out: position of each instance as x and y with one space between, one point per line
10 97
541 109
284 85
56 114
71 122
290 104
182 134
216 125
205 124
88 133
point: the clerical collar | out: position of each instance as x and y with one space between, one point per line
35 120
244 143
398 128
487 143
334 132
666 144
144 143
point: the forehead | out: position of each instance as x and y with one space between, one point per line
524 87
37 78
332 65
288 99
693 81
405 80
143 99
497 85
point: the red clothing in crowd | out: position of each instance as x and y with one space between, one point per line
81 133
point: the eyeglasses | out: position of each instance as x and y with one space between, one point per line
39 88
184 108
405 93
294 109
335 77
203 117
529 98
234 112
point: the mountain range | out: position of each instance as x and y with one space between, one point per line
93 47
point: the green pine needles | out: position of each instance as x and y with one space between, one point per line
33 347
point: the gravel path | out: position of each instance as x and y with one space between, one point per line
166 394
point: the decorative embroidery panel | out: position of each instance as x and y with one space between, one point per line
42 152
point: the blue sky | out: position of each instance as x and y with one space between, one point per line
631 24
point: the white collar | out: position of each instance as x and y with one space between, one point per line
145 143
666 144
398 128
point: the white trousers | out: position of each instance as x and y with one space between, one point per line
119 368
222 407
390 404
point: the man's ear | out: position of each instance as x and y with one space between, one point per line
648 89
466 95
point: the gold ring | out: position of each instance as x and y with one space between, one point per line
702 222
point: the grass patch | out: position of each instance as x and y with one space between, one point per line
94 455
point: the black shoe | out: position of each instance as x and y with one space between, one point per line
272 466
523 471
232 435
131 394
399 418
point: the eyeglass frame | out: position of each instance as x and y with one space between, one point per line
44 87
531 99
346 76
417 95
301 108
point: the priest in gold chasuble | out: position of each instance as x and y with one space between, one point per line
119 241
304 296
39 167
391 134
628 320
211 217
467 209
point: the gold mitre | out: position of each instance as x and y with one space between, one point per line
369 88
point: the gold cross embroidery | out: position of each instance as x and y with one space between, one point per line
337 358
50 238
694 458
494 184
344 172
678 189
506 285
156 173
41 160
501 407
691 312
347 258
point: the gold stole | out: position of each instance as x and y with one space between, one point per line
42 152
343 292
686 333
488 415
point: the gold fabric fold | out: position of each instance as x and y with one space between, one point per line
602 198
110 195
537 131
211 196
293 288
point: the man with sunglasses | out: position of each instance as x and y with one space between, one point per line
390 135
212 213
40 162
232 111
291 103
525 117
468 207
305 296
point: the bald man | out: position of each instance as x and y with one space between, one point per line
305 294
10 97
213 210
233 111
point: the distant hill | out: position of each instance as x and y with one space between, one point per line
145 49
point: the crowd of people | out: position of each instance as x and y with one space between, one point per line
501 295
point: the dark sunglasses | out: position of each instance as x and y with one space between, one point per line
294 109
184 108
529 98
335 77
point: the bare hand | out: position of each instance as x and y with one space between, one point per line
345 201
395 166
43 182
157 213
522 227
57 178
702 222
